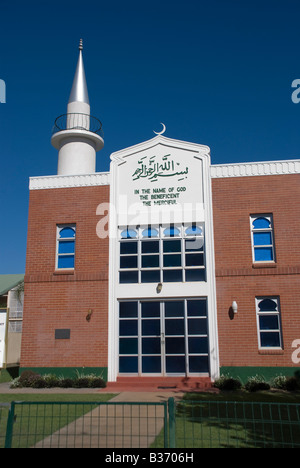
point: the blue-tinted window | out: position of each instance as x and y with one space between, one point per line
65 247
151 327
129 234
157 258
128 309
172 260
267 305
151 364
262 239
196 308
171 232
128 262
269 324
151 346
150 309
129 277
193 231
128 365
270 340
174 309
172 246
150 232
66 232
128 248
199 364
261 223
150 247
263 254
128 327
128 346
175 345
150 261
172 276
150 276
66 262
195 275
175 364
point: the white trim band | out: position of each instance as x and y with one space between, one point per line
68 181
255 169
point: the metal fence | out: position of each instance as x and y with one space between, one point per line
237 425
187 424
85 425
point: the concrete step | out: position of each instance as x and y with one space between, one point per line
185 384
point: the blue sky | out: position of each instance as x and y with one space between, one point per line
215 72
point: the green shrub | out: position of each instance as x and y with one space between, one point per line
82 382
292 384
66 383
279 382
28 378
39 383
33 380
226 383
97 382
256 384
51 381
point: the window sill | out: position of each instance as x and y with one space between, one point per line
264 265
271 351
64 272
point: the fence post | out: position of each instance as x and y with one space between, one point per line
10 425
172 435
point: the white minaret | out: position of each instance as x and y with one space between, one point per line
77 135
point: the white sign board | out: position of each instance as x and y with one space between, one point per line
3 319
161 182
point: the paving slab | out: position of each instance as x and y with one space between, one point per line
128 422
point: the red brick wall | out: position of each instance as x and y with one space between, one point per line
234 200
55 300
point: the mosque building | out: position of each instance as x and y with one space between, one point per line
166 267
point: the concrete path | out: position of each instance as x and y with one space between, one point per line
127 421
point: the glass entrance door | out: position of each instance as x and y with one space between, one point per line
163 337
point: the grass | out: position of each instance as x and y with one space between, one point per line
37 418
238 419
214 420
270 396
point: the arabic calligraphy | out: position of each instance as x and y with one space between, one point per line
153 169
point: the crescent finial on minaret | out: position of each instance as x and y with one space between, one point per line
81 44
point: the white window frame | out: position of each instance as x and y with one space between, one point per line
253 231
59 228
182 237
265 313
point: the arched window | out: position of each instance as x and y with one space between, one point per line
171 231
261 223
262 238
268 322
66 236
193 231
129 234
150 232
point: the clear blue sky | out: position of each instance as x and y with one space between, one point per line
216 72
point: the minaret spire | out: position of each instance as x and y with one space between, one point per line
79 92
77 135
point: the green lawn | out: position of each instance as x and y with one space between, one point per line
227 419
237 420
37 419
